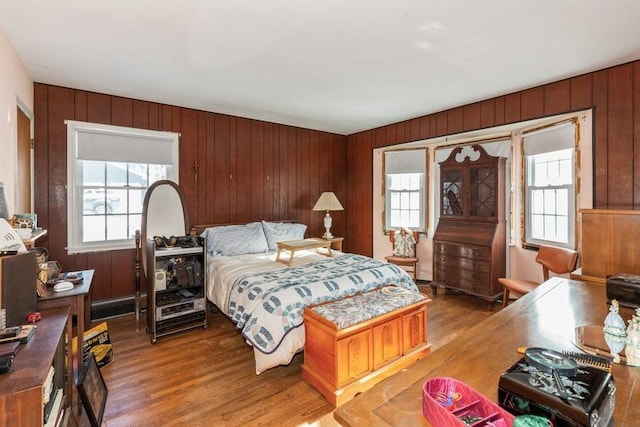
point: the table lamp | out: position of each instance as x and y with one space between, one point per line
328 202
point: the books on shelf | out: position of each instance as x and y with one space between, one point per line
48 385
54 415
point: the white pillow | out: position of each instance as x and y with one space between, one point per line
236 239
281 232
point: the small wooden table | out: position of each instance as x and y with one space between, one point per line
75 299
546 317
299 245
336 242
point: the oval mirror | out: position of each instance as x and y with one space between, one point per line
163 214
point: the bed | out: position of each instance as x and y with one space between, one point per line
265 299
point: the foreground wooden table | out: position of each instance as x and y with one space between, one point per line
546 317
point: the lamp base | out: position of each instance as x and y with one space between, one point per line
327 226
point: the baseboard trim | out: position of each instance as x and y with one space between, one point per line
114 307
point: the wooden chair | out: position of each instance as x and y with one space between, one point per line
408 263
554 259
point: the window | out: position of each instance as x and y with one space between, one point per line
109 171
405 183
549 186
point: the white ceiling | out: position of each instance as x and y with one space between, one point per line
335 65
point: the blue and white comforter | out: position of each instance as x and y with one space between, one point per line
267 305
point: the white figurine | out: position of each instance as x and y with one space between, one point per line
615 333
632 350
404 244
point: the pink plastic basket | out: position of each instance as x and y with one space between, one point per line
448 402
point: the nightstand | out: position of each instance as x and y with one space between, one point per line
336 242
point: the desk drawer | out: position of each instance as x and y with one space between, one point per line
463 263
471 252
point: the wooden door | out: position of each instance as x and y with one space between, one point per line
23 192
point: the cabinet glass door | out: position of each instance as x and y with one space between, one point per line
452 197
482 182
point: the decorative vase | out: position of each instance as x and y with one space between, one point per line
615 332
632 349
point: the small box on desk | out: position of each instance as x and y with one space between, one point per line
625 288
523 389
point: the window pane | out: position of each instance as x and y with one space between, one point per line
136 198
549 201
562 202
537 202
395 201
135 223
117 227
395 218
137 175
566 172
563 227
414 219
93 228
93 173
116 174
404 217
404 200
117 201
553 174
537 227
540 174
414 201
550 228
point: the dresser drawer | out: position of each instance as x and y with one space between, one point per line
463 263
456 282
451 272
447 250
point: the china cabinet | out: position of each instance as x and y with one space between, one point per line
469 243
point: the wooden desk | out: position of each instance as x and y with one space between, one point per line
75 299
300 245
546 317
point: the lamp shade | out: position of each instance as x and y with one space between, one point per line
328 202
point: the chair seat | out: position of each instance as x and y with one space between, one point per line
401 260
410 262
518 286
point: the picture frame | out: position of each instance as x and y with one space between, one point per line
92 390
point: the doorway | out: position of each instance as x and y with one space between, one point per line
24 167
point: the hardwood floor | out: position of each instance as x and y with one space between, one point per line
207 377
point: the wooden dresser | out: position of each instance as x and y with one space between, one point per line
469 245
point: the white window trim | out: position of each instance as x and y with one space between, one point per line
74 196
424 214
525 193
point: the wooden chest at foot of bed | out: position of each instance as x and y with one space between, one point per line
354 343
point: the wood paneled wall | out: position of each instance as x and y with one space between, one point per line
248 170
614 93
